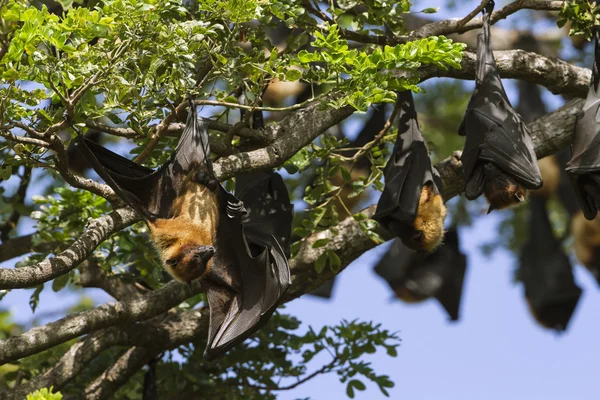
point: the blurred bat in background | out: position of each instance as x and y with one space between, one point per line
411 205
415 277
546 272
197 228
498 157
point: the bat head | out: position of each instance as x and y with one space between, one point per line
428 226
185 248
501 190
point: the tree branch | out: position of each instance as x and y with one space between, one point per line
449 26
44 337
117 375
97 231
556 75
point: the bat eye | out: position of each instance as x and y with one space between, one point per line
417 235
171 262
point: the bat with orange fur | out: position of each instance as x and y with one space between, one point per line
411 205
498 158
201 231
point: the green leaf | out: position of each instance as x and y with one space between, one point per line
11 75
358 385
293 75
321 262
335 263
60 282
320 243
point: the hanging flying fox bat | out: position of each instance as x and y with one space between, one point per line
546 272
411 205
498 158
415 277
198 230
584 167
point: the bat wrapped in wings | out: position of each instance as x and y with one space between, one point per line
198 229
546 272
584 167
498 158
415 277
411 205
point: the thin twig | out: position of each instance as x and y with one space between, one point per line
386 127
472 14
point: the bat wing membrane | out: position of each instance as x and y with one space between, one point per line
152 192
254 241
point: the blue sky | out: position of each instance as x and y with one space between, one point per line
496 350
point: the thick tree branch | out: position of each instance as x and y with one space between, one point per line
118 374
41 338
97 231
556 75
158 334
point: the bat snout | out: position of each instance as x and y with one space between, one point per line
205 253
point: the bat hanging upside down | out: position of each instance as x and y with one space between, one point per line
498 157
201 231
411 205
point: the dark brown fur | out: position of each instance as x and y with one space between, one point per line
502 190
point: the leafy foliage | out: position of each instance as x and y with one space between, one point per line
583 15
44 394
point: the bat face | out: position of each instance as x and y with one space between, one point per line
186 241
411 205
501 190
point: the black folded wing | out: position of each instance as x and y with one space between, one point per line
494 131
407 170
584 166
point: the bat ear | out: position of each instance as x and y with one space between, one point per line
519 197
491 208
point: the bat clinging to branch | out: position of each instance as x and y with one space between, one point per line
411 205
498 157
584 167
202 231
